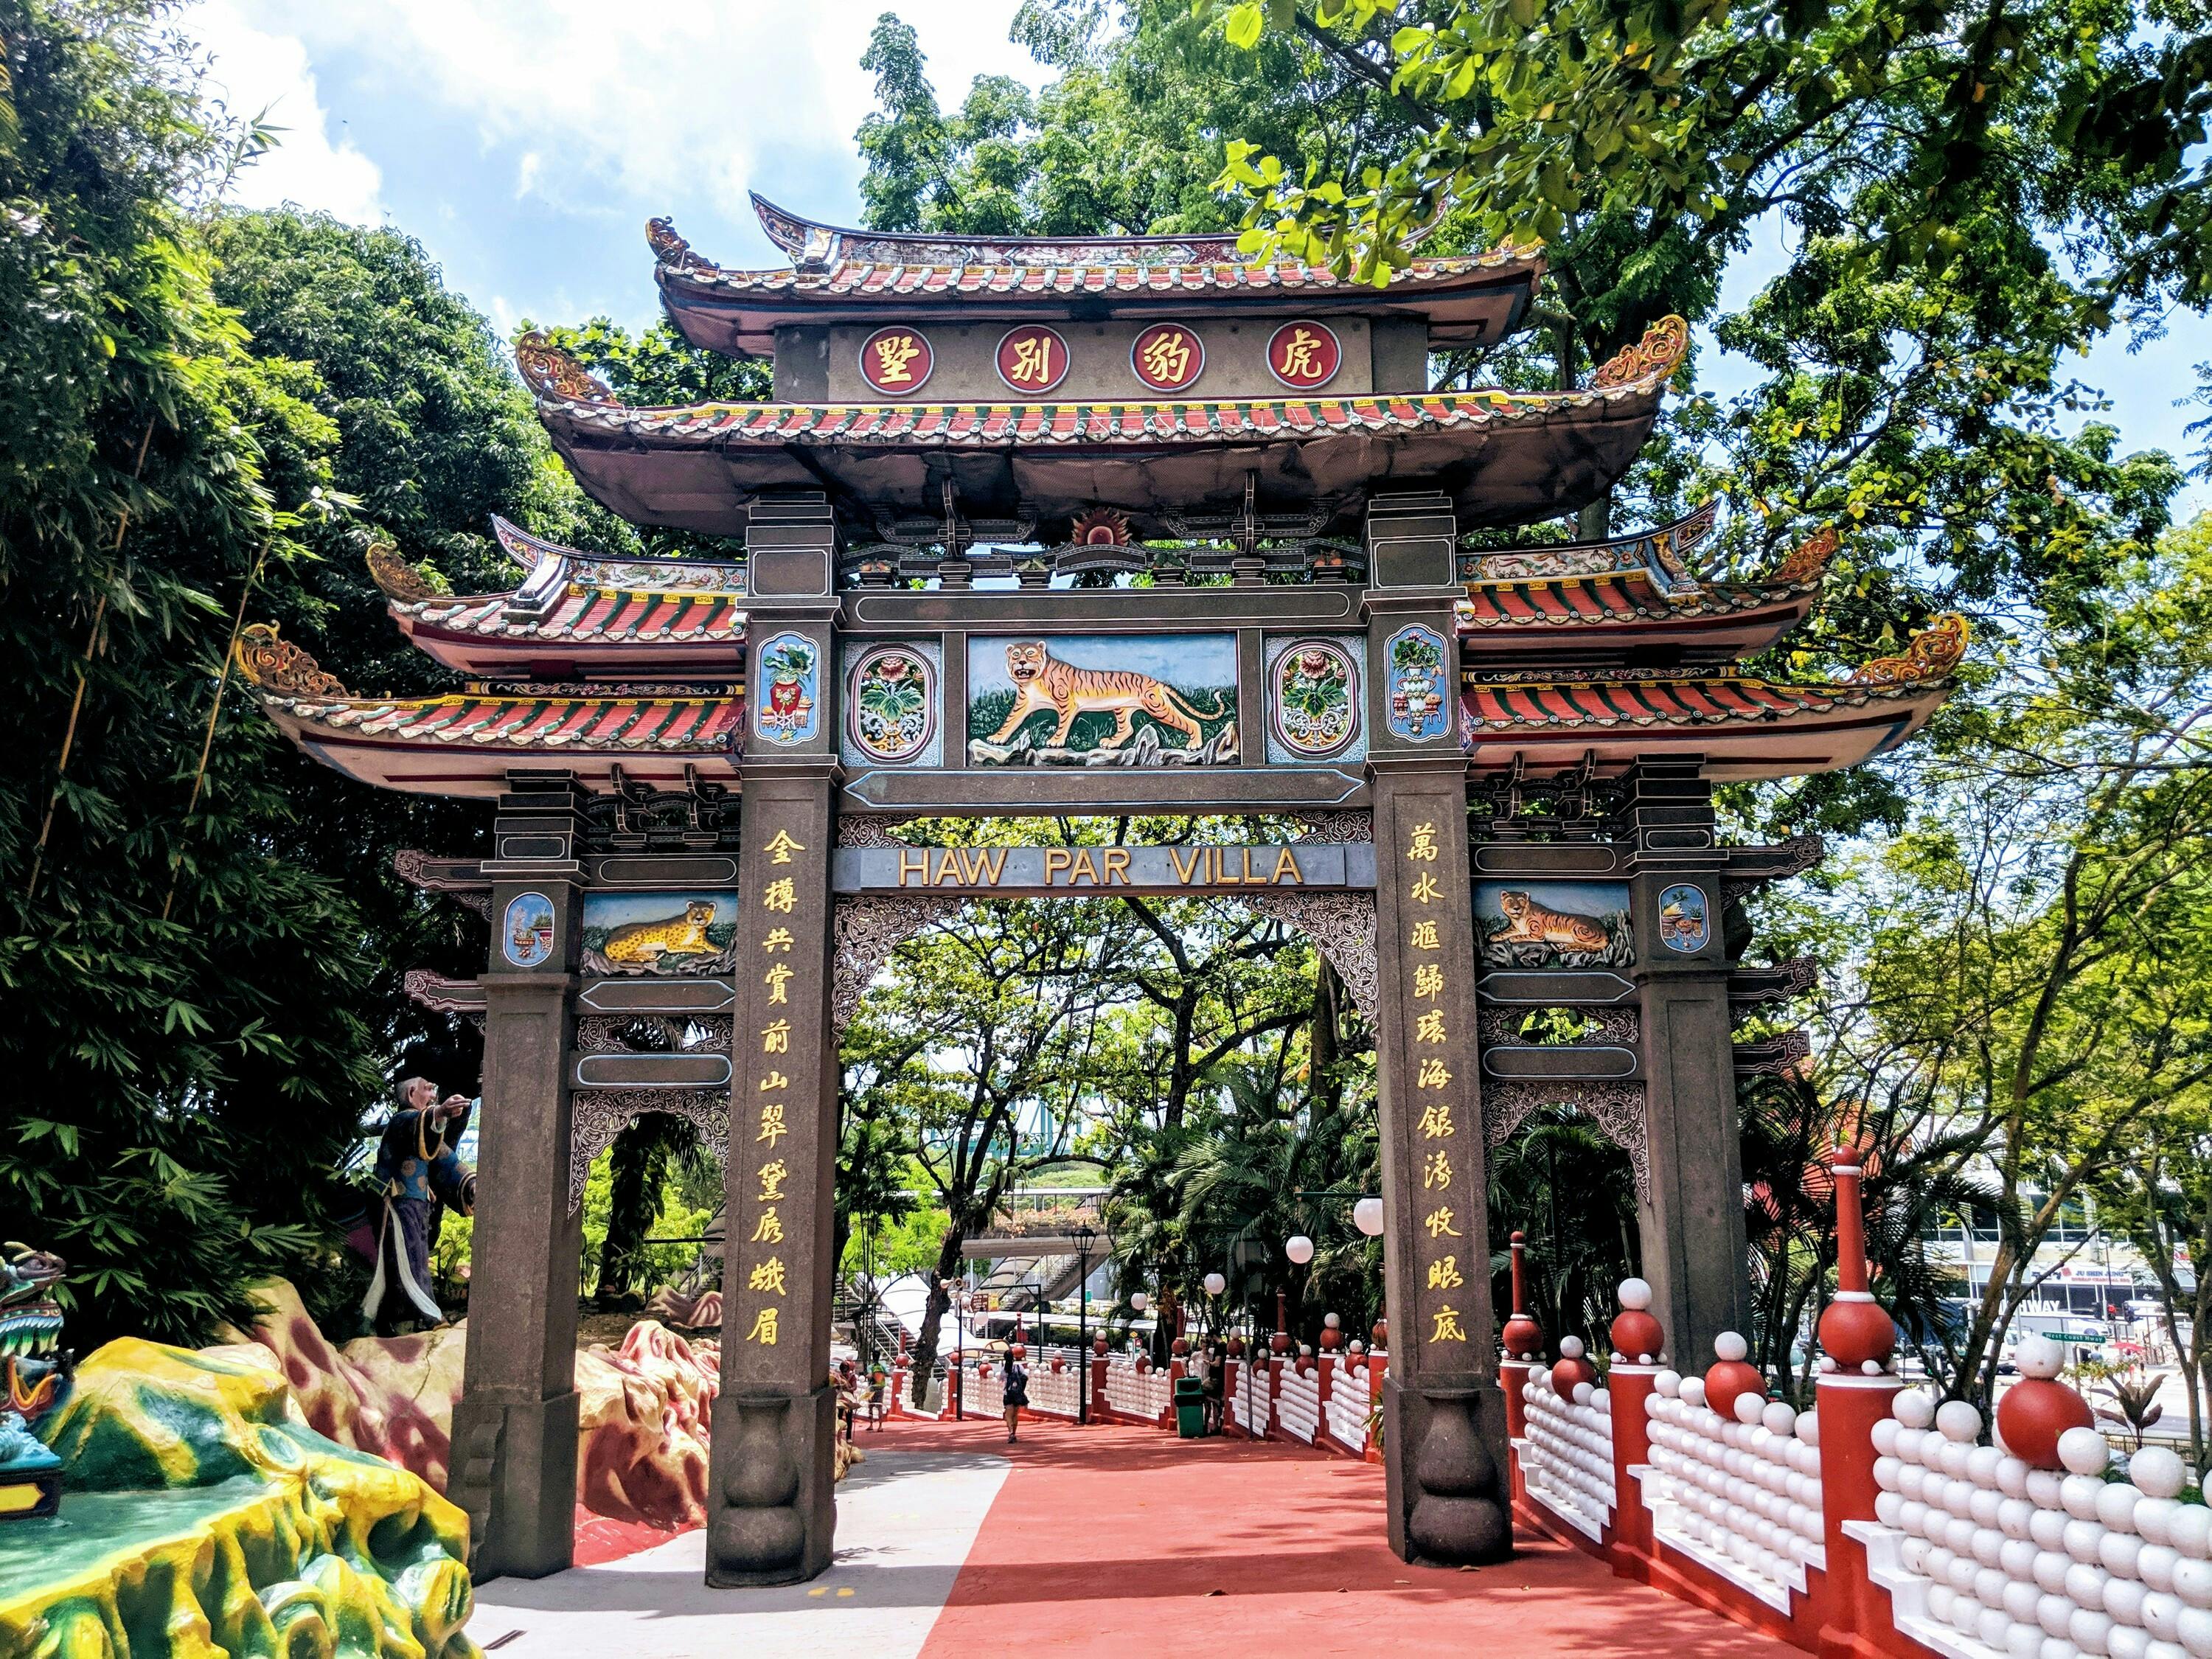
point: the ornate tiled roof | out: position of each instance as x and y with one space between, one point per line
1554 704
1085 423
839 274
1503 457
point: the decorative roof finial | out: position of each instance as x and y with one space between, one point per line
1810 562
282 668
1856 1332
554 376
668 248
1928 656
397 578
1657 356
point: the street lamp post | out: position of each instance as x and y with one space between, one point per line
1084 1237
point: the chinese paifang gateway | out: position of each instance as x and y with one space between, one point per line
1090 526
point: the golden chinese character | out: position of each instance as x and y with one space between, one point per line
1423 847
772 1174
1436 1169
781 849
768 1276
1446 1326
763 1330
1443 1274
775 1039
1437 1124
895 355
1438 1221
1430 1027
1432 1075
1425 937
1428 980
769 1230
779 938
772 1128
775 1079
780 895
1166 357
1426 890
775 979
1032 361
1301 356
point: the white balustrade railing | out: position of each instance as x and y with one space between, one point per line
1739 1496
1985 1557
1051 1392
1135 1394
1252 1400
1349 1402
1299 1409
1567 1459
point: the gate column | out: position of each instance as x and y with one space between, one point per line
772 1515
1691 1220
513 1465
1444 1418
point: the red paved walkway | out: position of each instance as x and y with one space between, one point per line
1120 1541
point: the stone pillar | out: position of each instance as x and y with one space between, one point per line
514 1426
1444 1450
1692 1219
772 1516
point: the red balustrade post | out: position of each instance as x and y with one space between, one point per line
1523 1341
1630 1380
1855 1387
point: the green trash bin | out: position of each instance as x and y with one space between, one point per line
1190 1407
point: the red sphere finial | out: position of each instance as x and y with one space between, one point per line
1637 1335
1571 1368
1855 1331
1522 1337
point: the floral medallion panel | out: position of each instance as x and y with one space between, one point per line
787 700
1554 924
527 933
1419 684
892 705
1685 918
1103 700
685 934
1314 700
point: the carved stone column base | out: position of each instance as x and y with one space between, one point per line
775 1519
1446 1473
514 1472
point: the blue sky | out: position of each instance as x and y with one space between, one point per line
526 141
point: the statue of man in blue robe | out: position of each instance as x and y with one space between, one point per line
416 1169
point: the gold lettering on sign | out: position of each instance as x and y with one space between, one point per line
1116 861
983 865
914 861
1086 867
1056 860
1286 863
1185 872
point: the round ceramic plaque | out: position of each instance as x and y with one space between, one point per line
1304 356
1032 359
897 360
1168 357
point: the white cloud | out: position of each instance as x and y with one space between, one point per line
260 73
645 107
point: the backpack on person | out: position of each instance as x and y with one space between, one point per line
1018 1386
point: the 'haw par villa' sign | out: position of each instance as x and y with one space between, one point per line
1096 527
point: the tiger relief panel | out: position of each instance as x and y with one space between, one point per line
1103 700
1554 924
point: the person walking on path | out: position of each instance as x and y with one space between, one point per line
1017 1395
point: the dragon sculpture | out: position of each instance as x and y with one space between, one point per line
37 1370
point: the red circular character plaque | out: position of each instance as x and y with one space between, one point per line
1168 357
897 360
1304 356
1032 359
